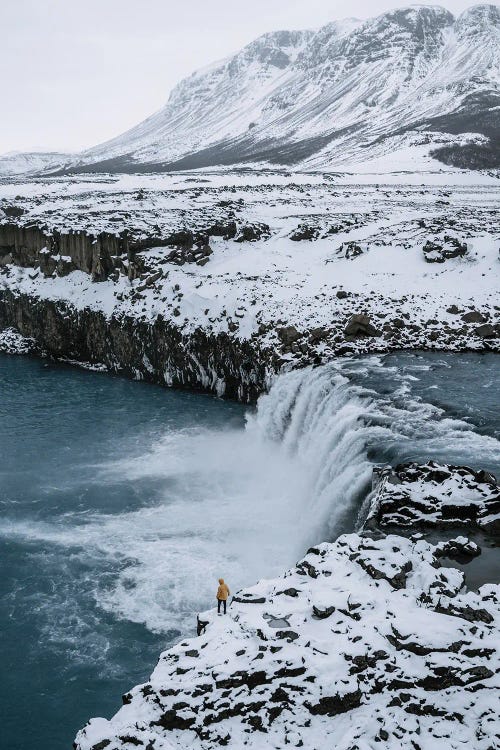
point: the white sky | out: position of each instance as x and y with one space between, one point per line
76 72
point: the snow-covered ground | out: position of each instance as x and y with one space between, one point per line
362 642
321 248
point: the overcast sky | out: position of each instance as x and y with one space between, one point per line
76 72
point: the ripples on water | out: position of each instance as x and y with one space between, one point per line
123 503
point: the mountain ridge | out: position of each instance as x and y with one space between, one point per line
350 91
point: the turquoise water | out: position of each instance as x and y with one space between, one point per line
122 503
64 656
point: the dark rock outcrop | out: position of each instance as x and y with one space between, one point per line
451 247
437 496
32 247
360 325
157 351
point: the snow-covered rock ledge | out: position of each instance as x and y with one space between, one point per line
364 641
218 281
435 496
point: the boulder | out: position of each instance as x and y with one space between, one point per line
360 325
486 331
317 334
304 232
322 613
252 232
350 250
13 212
451 247
288 335
473 317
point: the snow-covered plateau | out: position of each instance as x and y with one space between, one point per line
370 639
223 279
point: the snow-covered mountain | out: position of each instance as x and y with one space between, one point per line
27 162
350 92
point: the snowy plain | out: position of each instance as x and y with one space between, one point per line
283 277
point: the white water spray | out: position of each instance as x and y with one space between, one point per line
246 504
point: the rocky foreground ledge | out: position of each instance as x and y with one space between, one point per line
371 639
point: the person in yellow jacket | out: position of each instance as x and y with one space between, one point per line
222 594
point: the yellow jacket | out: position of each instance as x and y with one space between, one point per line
223 590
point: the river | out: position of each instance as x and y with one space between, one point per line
123 503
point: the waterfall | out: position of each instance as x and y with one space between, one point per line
189 500
318 418
335 427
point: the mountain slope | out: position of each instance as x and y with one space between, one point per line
350 92
27 162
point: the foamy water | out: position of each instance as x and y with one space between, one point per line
123 504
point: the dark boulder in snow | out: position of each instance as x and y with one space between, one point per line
360 325
473 317
450 247
288 335
304 232
252 232
350 250
487 331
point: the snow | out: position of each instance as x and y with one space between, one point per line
365 90
362 656
252 288
11 342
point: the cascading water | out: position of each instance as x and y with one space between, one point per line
337 426
123 504
317 419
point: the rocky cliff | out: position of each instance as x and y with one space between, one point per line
218 282
372 639
157 353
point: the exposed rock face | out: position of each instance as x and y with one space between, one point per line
360 325
156 352
380 646
436 496
61 253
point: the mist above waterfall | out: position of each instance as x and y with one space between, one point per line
123 503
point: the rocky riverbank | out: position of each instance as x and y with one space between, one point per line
158 353
221 281
370 639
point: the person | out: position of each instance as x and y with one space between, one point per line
222 594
